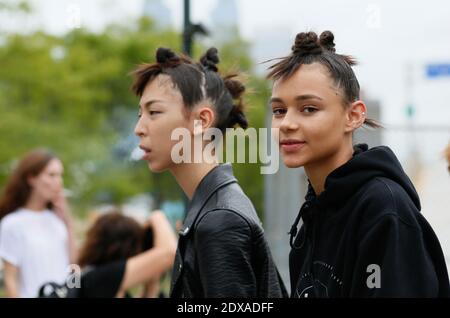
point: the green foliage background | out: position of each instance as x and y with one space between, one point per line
71 94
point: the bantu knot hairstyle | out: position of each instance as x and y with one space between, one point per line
309 48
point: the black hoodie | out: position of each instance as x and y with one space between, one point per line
364 236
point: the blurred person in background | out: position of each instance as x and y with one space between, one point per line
36 232
120 254
362 234
447 156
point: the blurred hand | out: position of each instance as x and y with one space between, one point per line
156 217
61 208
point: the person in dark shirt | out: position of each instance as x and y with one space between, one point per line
115 259
362 233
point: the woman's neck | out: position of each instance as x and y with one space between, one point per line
35 204
318 172
190 175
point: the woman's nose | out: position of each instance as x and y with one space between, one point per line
60 182
139 128
288 122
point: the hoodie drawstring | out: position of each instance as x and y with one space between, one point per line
294 229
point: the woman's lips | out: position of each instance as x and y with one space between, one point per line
146 151
290 145
146 156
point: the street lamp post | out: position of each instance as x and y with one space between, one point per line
187 37
189 29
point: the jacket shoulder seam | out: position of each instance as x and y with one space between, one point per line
386 186
394 200
227 209
393 214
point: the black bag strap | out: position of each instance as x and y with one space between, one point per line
55 290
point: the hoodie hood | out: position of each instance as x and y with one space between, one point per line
365 165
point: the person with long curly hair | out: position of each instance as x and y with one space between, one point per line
37 241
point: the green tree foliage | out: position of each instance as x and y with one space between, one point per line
71 94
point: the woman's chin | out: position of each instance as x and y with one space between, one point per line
292 162
156 167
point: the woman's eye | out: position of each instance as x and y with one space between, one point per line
309 109
278 111
152 112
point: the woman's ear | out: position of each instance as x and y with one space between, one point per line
356 115
204 118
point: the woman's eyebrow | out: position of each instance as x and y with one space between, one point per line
297 98
275 100
306 97
151 102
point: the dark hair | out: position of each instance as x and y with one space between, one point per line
197 82
112 237
17 190
309 48
222 91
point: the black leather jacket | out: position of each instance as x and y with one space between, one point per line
222 251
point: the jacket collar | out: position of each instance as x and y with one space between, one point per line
217 178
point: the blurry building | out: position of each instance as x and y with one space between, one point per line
372 137
159 12
270 43
283 195
224 21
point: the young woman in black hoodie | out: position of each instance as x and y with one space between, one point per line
362 233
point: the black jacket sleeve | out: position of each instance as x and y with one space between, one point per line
224 247
394 260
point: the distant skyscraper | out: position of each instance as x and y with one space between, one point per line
159 12
224 20
269 43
